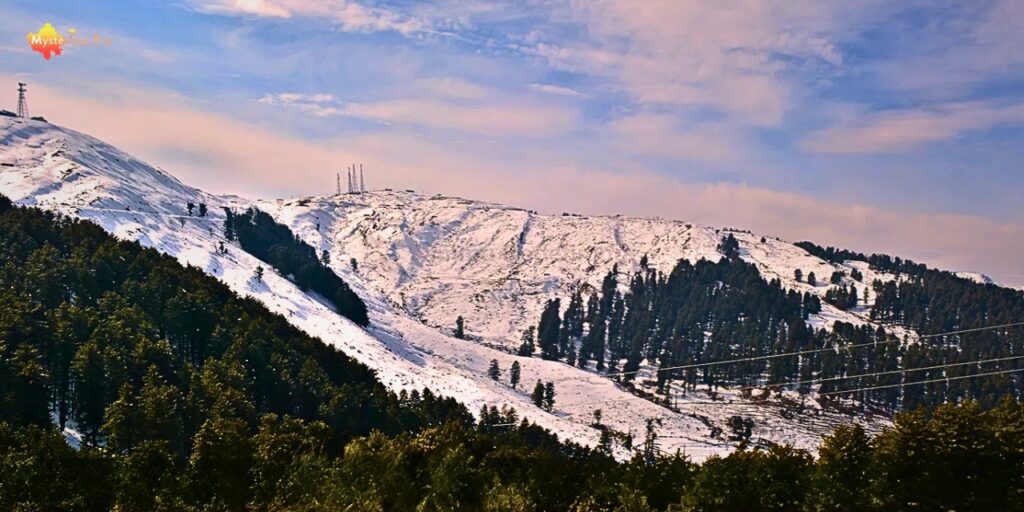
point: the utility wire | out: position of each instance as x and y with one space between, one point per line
989 328
930 381
889 372
811 351
732 402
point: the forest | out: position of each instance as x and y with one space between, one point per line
260 235
721 311
190 398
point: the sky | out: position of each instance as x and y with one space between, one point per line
893 127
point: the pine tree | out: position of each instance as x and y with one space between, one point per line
460 328
811 279
837 277
549 329
798 275
604 444
549 396
527 346
843 474
514 374
538 395
650 449
190 207
258 275
202 210
494 371
229 224
325 258
729 247
122 428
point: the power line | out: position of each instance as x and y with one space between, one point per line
810 351
889 372
755 358
930 381
727 402
972 330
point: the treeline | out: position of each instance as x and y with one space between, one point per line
260 235
718 311
957 458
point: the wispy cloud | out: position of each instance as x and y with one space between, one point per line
654 134
902 130
497 120
489 119
349 16
314 104
557 90
729 56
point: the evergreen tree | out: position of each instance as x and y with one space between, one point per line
493 371
811 279
190 207
514 374
527 347
538 395
460 328
548 330
729 247
258 275
843 472
202 210
229 224
837 277
798 275
549 396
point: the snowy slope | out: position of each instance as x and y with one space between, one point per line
422 261
438 257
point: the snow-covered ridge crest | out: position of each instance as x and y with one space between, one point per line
421 262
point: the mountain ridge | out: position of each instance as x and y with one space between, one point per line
420 262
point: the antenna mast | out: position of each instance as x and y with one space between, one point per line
362 182
22 102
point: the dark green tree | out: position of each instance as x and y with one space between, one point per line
493 370
514 373
460 328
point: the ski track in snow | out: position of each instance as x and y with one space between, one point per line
422 262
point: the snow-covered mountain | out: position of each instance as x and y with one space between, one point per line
441 257
421 262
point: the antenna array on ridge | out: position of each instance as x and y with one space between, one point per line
356 180
22 102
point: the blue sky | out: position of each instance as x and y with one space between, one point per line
879 126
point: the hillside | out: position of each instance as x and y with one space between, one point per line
420 262
192 398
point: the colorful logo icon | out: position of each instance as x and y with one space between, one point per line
47 41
